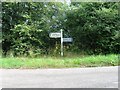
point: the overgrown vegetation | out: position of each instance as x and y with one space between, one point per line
95 28
58 62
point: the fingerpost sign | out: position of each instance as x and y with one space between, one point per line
60 35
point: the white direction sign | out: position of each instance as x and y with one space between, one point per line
67 39
55 35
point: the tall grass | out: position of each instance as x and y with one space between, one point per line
60 62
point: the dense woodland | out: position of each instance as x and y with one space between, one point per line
94 27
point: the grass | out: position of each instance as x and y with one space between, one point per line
58 62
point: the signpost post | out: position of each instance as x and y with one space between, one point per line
61 42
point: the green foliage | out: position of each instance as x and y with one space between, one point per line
57 62
93 26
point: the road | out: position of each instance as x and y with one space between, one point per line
99 77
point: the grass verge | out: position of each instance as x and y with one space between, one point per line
58 62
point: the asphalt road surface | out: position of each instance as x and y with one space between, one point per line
99 77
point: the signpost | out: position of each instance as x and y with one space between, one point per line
67 39
61 42
60 35
55 35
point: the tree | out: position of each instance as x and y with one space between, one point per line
94 27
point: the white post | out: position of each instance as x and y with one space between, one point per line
61 42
